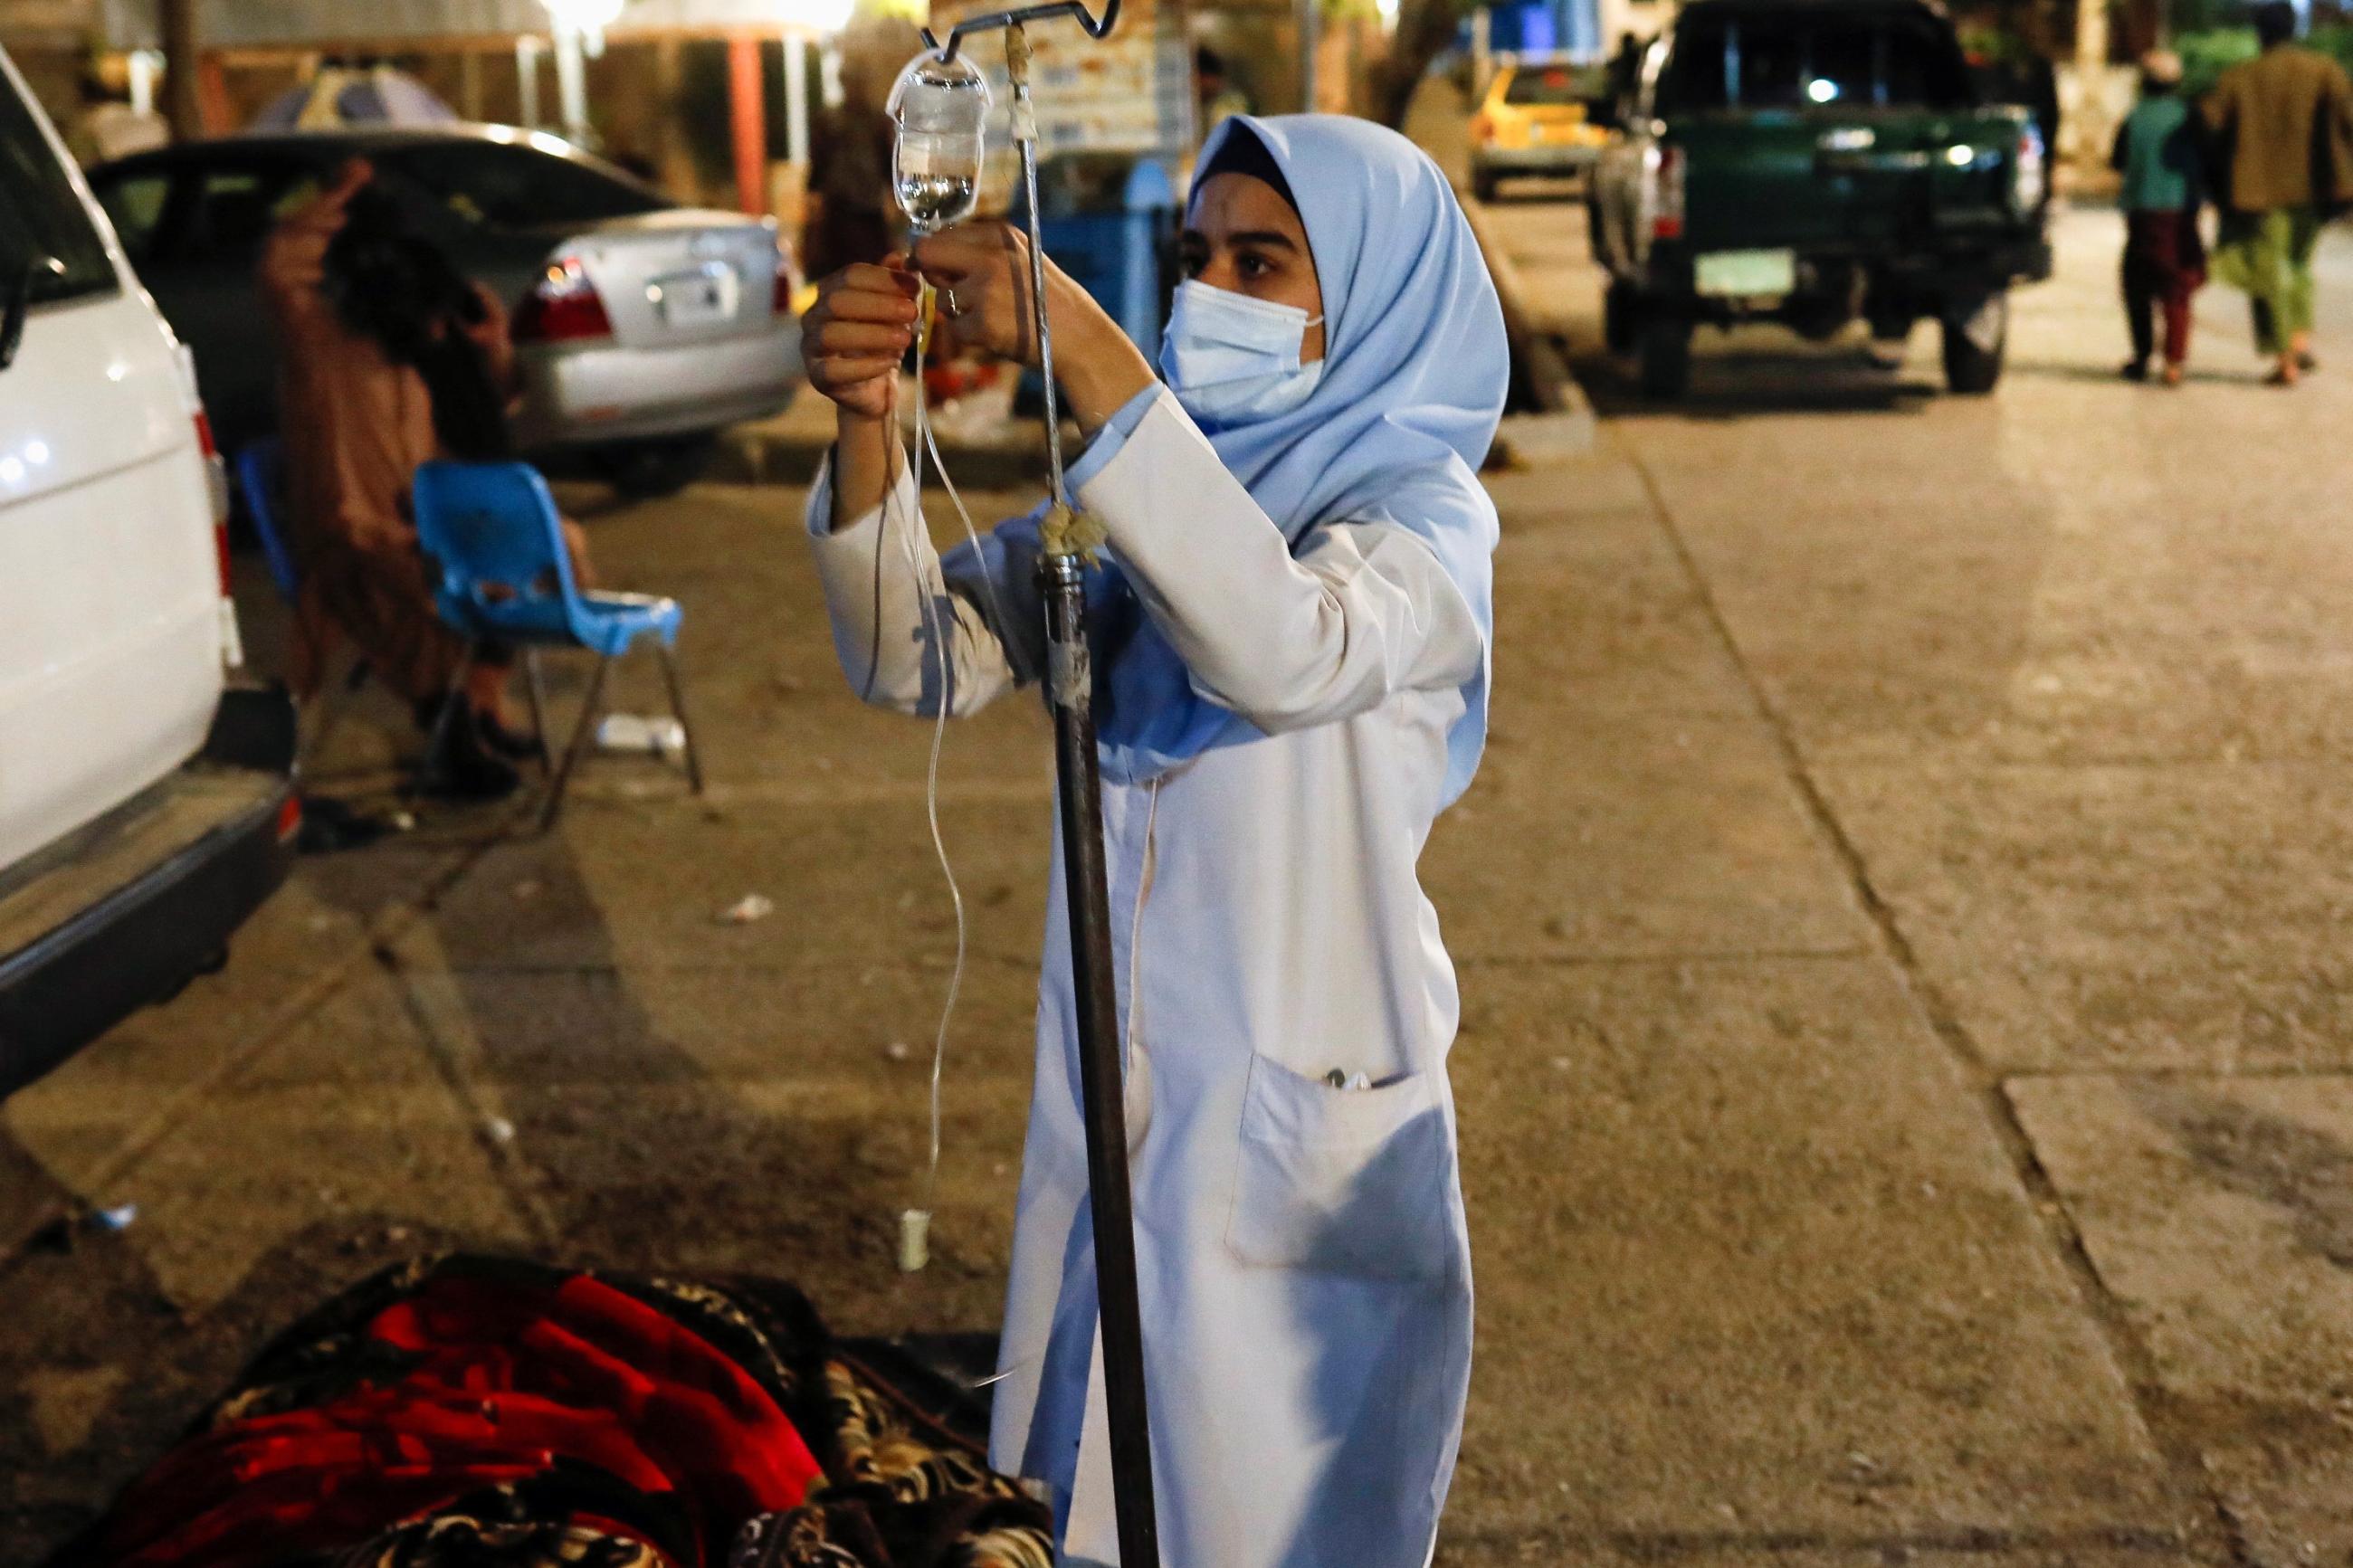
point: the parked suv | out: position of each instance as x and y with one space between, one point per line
1810 161
145 807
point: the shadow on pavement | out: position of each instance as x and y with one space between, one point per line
2075 370
1751 382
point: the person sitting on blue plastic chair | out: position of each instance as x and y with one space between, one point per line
390 357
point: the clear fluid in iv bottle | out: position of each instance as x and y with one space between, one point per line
941 108
935 201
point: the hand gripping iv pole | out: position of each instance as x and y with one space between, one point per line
1068 538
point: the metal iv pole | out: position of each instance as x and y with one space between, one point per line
1070 692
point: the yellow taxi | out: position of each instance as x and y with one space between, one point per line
1539 119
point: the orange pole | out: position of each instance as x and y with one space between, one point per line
212 97
748 104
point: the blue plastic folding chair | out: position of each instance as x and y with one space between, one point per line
261 475
495 535
261 479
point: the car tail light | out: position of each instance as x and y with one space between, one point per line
1664 174
1483 129
289 818
562 306
232 641
2032 180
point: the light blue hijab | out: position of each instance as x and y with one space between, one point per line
1415 375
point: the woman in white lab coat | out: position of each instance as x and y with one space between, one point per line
1291 654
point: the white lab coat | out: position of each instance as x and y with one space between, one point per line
1305 1270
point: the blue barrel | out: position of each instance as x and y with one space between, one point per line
1116 255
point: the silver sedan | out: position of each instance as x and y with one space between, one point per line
642 328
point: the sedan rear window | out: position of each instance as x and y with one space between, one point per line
1554 85
508 186
45 230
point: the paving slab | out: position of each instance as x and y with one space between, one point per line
2073 570
854 883
765 1120
818 1023
1649 846
1597 617
62 1136
2180 917
1648 810
1752 1259
2218 1211
355 1118
1878 594
319 919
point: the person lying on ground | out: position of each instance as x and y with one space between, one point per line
476 1412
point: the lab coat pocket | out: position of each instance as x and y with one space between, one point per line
1340 1180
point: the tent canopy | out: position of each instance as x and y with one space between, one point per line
323 24
380 97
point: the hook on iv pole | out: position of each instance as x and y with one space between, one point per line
1095 28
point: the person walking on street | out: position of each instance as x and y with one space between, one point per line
2283 125
2161 156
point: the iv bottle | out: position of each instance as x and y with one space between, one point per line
941 108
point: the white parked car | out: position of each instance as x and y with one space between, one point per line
146 806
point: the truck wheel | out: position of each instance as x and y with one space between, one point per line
1977 334
1620 312
1663 348
1483 187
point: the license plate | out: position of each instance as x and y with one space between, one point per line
1749 274
696 298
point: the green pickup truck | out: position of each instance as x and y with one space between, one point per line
1814 161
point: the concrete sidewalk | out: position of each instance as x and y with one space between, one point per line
1902 1082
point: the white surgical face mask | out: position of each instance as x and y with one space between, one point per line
1230 359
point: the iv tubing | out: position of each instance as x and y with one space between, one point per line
936 626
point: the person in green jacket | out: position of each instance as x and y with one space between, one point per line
2284 121
2159 151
